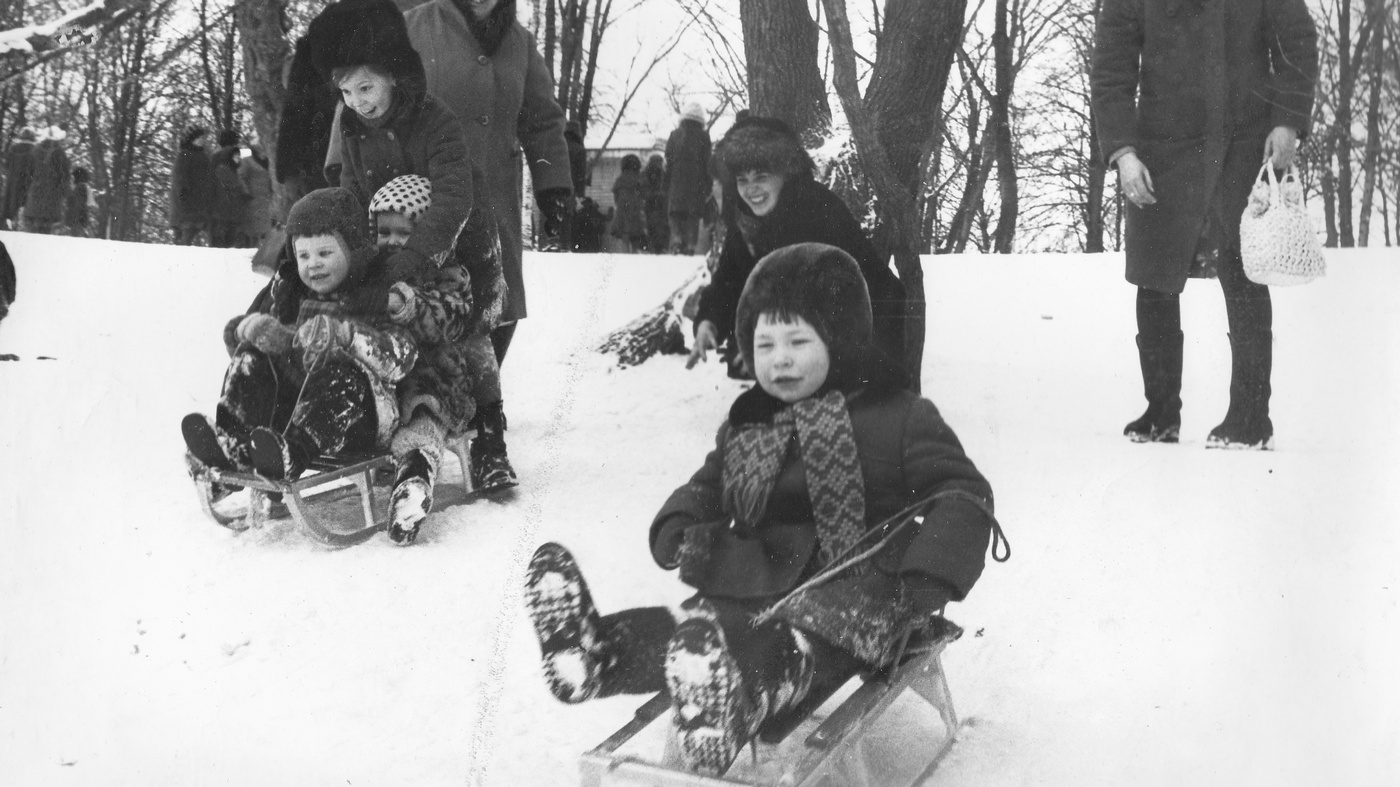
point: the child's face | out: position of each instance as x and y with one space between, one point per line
760 190
791 359
392 229
368 92
321 262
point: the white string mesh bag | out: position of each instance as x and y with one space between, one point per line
1277 241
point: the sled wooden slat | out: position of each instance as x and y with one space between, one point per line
830 755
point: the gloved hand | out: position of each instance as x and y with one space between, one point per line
554 205
693 557
403 302
319 336
264 332
407 265
231 339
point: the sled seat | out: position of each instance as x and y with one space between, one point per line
832 754
320 483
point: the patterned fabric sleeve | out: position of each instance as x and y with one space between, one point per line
443 309
389 353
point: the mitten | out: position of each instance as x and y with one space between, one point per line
668 540
264 332
403 303
319 336
407 265
696 547
231 339
554 205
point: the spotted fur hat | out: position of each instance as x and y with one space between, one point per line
410 195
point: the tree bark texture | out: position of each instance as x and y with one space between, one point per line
1001 130
784 76
262 26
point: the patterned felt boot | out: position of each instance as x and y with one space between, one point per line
491 470
1161 383
1247 424
412 497
712 713
566 623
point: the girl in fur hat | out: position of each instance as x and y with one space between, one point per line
771 200
324 383
828 457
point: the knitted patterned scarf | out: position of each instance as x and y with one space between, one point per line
753 457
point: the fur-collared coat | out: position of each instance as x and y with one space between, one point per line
807 212
906 454
191 187
19 166
1195 86
50 183
505 102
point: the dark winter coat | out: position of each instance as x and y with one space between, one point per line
304 126
230 198
629 221
578 163
75 213
50 183
191 187
906 454
807 212
257 183
19 167
1194 87
505 101
7 281
688 168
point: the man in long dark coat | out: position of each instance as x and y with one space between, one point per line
1190 98
19 167
687 178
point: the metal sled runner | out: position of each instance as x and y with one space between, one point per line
322 485
785 754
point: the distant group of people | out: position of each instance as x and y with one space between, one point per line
661 208
44 193
221 195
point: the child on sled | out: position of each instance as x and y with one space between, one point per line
324 383
827 448
450 314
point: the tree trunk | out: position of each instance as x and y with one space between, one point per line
1001 124
891 127
1346 88
1093 199
785 82
1375 10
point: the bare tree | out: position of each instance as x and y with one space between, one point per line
784 78
262 30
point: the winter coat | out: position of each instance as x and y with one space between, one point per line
420 136
506 102
50 183
7 281
257 183
806 212
75 213
230 198
305 123
191 187
19 167
688 168
578 163
906 454
1194 87
629 221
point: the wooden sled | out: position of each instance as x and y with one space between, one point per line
831 755
308 499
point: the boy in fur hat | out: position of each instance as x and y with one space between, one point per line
829 456
324 383
451 319
771 200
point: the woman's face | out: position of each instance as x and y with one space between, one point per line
760 190
368 92
480 8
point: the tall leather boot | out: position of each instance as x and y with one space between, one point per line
491 470
1247 423
1161 384
337 397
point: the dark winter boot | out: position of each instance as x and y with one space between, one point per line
1247 423
212 446
412 497
280 457
566 623
491 470
1161 384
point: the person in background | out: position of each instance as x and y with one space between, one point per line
77 213
1190 98
687 177
654 204
191 188
50 183
19 167
230 198
578 173
257 184
629 221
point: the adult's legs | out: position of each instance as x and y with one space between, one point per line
1250 312
491 468
1159 342
501 338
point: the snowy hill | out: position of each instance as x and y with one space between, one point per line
1170 614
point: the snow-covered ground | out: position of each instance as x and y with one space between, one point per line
1170 615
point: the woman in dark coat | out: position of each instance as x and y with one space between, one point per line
50 183
687 177
801 210
1191 96
654 204
629 223
19 166
191 188
230 198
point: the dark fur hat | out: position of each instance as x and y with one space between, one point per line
333 211
819 283
364 33
763 144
